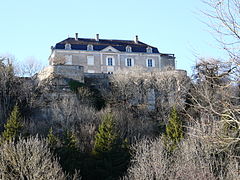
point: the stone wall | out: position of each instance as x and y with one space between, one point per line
97 80
166 62
66 71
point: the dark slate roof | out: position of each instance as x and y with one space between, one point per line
81 44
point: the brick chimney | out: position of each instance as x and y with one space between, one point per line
136 39
76 36
97 37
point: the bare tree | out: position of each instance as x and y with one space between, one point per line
58 60
214 96
224 21
211 147
150 161
28 67
28 159
129 86
137 89
197 157
13 89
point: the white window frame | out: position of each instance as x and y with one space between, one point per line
132 62
149 50
90 60
113 61
68 46
152 62
89 47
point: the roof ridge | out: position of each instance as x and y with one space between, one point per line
117 43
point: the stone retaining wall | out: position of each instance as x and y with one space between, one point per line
67 71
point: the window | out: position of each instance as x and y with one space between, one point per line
90 60
90 47
150 63
68 59
110 72
110 63
129 62
128 49
149 50
68 46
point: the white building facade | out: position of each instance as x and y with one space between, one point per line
108 56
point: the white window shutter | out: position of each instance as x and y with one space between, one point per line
113 61
147 63
132 62
68 59
107 61
90 60
153 63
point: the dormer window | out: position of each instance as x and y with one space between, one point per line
68 46
149 50
90 47
128 49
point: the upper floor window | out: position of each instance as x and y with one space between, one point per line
129 62
150 63
90 47
149 50
109 61
90 60
128 49
68 59
68 46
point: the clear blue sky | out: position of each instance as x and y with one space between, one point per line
30 27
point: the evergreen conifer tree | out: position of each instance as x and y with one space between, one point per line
111 153
70 140
106 138
14 125
174 130
52 139
69 153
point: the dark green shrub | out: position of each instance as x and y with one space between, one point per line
93 94
74 85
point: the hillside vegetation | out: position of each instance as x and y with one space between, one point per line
63 129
